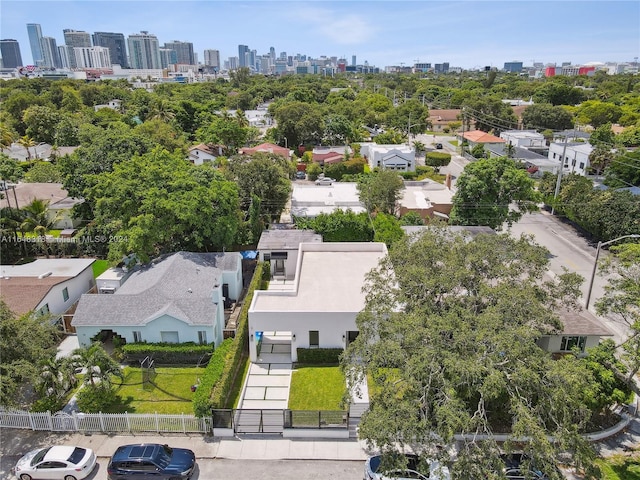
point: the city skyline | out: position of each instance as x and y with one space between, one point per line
468 34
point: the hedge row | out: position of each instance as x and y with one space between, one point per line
221 390
167 353
319 356
201 399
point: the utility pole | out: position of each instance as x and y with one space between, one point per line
557 191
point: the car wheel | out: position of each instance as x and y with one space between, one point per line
24 476
69 477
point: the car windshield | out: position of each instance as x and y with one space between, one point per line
39 456
164 456
77 455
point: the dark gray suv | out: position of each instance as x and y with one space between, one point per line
151 460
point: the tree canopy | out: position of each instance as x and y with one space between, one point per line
448 345
493 191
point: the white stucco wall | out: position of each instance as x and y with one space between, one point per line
331 327
151 332
289 263
76 286
552 343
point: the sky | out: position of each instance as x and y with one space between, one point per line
468 34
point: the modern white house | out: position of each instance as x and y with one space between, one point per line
392 157
48 285
114 104
176 298
574 156
319 309
312 200
524 138
427 198
280 247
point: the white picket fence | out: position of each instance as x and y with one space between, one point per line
104 422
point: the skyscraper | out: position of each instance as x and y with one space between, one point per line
116 45
10 52
242 55
353 60
50 55
144 51
76 38
184 51
92 57
212 58
168 56
35 36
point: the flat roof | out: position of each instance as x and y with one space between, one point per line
59 267
312 200
423 196
280 239
329 278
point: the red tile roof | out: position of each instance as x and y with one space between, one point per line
478 136
266 148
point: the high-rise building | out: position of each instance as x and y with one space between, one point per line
35 37
50 55
212 58
67 57
116 45
76 38
144 51
92 57
168 56
353 60
234 63
272 54
10 52
513 67
242 55
184 52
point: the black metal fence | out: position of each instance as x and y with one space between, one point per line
276 421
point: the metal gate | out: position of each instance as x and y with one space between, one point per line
275 421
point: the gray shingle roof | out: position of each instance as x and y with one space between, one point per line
180 285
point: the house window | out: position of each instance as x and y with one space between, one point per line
554 155
569 343
169 337
137 337
582 165
314 338
202 337
44 310
65 294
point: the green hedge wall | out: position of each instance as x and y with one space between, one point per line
167 353
222 389
319 356
201 399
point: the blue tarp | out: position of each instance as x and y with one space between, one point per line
249 254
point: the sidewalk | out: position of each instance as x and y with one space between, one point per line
256 447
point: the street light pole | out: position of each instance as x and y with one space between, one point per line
595 264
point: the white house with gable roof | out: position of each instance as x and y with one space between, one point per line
392 157
176 298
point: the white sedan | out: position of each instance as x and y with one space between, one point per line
325 181
57 462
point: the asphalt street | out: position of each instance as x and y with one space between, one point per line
568 249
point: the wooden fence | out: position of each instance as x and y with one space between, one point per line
104 422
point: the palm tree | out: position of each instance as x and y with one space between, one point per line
161 110
27 142
6 137
57 377
38 219
100 367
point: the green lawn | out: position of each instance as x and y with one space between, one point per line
236 391
620 467
454 142
52 233
169 392
316 388
99 267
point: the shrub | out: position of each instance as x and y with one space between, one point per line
47 404
167 353
319 356
410 175
437 159
96 399
201 399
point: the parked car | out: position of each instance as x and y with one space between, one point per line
514 470
300 175
325 181
413 470
438 146
56 462
151 460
